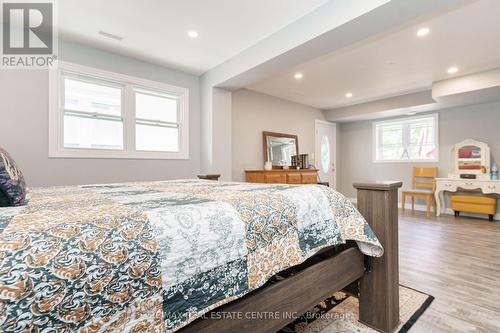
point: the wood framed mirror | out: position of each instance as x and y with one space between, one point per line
279 148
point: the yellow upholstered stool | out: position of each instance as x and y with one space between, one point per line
474 204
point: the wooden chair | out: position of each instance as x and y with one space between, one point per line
424 185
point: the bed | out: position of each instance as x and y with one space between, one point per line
163 256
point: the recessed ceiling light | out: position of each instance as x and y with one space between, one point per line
298 76
348 95
423 31
193 34
452 70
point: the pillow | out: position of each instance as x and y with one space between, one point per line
12 185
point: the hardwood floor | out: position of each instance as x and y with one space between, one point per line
458 262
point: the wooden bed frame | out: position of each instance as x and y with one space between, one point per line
375 279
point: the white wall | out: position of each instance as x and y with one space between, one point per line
24 124
480 122
253 113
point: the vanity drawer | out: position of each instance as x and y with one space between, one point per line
492 187
309 178
293 178
278 178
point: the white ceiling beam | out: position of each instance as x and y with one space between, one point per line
333 26
477 88
387 107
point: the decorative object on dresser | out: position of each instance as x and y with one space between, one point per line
423 187
279 149
209 177
282 176
301 161
470 171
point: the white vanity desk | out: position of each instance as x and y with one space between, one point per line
455 184
472 158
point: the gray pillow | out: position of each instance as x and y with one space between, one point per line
12 185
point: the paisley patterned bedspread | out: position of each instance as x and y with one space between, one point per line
154 256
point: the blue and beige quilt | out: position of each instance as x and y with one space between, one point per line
154 256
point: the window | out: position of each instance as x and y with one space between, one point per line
99 114
413 139
156 127
92 114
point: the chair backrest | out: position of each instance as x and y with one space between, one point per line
424 178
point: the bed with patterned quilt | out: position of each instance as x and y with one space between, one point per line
154 256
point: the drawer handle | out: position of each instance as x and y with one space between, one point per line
492 187
447 185
469 184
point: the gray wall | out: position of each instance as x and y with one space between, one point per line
480 122
255 112
24 124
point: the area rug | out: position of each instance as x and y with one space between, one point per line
339 313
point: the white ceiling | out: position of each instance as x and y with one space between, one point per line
397 62
156 30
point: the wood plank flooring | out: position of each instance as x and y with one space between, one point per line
458 262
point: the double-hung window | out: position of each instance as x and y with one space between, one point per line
99 114
157 121
93 114
412 139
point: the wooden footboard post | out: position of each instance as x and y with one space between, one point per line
379 289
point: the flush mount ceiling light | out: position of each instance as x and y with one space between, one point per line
423 31
348 95
193 34
452 70
298 76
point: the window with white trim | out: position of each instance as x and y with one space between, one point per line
411 139
93 115
100 114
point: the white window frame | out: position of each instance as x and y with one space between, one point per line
56 112
375 139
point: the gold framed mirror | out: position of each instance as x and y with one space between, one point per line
279 148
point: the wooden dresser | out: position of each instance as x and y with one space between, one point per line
281 176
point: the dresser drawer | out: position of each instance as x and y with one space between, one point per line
282 176
309 178
255 178
278 178
294 178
